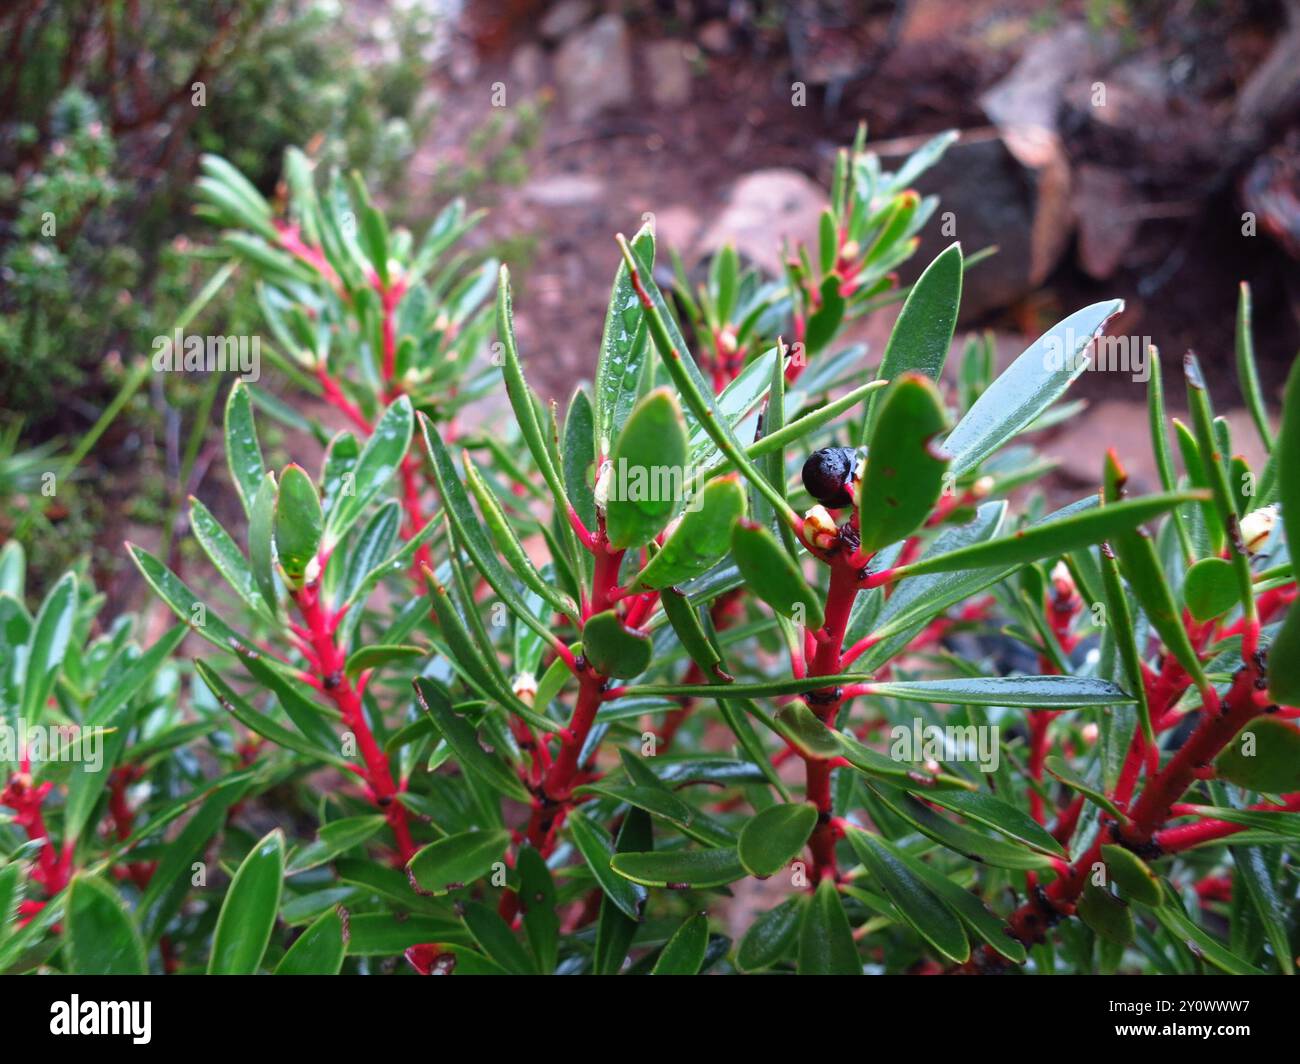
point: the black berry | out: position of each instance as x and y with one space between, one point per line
828 473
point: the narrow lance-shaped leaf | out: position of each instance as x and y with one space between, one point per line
1160 443
826 944
690 385
1028 386
463 739
622 350
929 916
1049 539
248 913
243 452
1141 568
47 646
922 335
378 462
1217 476
1247 373
1284 683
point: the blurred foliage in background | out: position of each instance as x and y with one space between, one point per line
104 110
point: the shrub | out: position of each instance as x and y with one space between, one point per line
690 633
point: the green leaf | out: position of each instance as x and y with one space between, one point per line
495 938
686 625
680 869
1264 756
184 603
922 335
967 906
647 475
319 950
904 472
111 708
771 935
47 646
1141 567
298 523
1247 374
1284 684
522 400
773 575
171 878
248 913
1036 380
578 456
1050 538
1281 823
989 849
690 384
826 945
983 808
772 838
700 540
243 452
462 737
614 649
224 553
1260 881
597 849
334 838
1058 768
512 550
537 903
1210 588
101 936
925 913
1106 914
379 461
261 540
623 347
243 711
456 861
1202 945
1030 692
615 930
387 934
1130 873
683 954
372 657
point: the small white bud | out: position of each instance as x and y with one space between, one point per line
1257 526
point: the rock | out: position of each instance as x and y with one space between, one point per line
763 209
669 70
986 198
1122 424
528 66
594 68
676 226
1108 221
563 19
564 190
